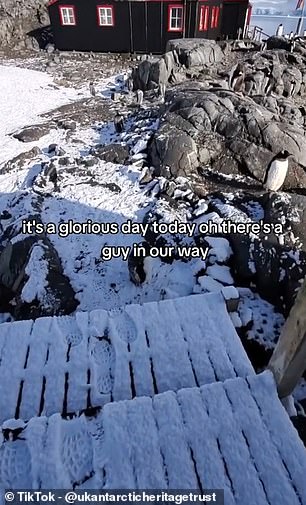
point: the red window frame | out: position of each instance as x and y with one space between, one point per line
61 8
111 7
170 8
204 17
214 20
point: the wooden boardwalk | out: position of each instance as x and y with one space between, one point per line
233 435
67 364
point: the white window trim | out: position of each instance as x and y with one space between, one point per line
176 17
103 12
69 14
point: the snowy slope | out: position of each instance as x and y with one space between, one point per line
25 94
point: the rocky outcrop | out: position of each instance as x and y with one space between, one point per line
31 133
18 18
112 153
290 211
20 258
279 72
196 52
240 130
181 53
277 271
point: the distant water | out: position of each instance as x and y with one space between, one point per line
269 24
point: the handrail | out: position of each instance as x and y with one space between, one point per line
255 33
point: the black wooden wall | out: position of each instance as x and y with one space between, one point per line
140 26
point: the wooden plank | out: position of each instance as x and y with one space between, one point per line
288 361
13 364
282 432
77 395
32 397
206 349
55 369
233 445
244 402
203 442
147 459
140 354
174 442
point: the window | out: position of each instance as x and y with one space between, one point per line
217 17
214 17
105 15
175 18
204 14
68 15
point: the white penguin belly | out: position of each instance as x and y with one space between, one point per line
277 175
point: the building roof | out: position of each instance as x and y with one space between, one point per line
142 350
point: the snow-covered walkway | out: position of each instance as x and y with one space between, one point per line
66 364
233 435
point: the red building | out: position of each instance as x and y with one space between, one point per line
143 26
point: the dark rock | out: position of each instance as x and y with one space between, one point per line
31 133
290 211
56 150
112 187
196 52
277 271
5 215
90 162
50 48
299 422
64 161
278 43
173 152
145 176
58 297
227 131
150 74
112 153
52 148
67 124
6 295
21 159
17 20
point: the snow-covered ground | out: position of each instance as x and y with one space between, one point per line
97 283
70 364
25 94
105 193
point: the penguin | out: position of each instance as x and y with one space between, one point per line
51 172
277 171
162 90
280 31
118 122
292 88
92 89
234 74
269 84
130 84
238 82
292 46
136 265
249 84
139 97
